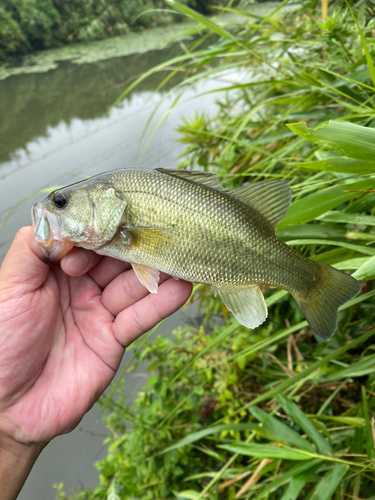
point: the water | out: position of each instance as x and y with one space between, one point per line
56 128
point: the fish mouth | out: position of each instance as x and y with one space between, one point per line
46 227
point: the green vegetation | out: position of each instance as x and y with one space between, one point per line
30 25
273 413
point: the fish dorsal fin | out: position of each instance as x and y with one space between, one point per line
209 180
271 198
247 305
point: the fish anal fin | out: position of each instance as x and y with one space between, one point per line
247 305
204 178
148 276
271 198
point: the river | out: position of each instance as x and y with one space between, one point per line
57 127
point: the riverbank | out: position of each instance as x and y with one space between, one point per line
132 43
34 25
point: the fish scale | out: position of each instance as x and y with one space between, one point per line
187 225
200 219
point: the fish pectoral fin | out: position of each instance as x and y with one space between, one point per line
271 198
246 305
151 236
148 276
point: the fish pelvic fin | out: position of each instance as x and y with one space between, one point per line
271 198
320 305
148 276
247 305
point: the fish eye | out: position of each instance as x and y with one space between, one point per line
60 200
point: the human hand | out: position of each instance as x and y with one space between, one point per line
63 331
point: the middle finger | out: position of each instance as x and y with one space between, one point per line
124 291
107 270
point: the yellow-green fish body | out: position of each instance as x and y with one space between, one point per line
187 225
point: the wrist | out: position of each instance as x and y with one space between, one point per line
16 462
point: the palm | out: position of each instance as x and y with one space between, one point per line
62 343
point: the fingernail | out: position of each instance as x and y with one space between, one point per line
77 262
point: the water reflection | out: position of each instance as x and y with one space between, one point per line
55 128
30 104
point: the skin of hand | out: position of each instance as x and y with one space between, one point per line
64 328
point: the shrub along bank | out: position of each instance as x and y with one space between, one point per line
31 25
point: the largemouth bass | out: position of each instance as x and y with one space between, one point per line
187 225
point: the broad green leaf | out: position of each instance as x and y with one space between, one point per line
299 418
334 256
196 436
283 432
363 367
312 206
351 421
327 486
340 164
345 217
366 271
345 138
328 231
351 264
265 451
350 246
151 381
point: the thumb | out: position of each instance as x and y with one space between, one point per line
23 269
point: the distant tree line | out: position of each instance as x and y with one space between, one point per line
30 25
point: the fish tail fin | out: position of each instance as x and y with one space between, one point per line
320 304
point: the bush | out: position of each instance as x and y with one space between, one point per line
30 25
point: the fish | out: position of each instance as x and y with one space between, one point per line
186 224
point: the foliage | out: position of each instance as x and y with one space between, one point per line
29 25
273 413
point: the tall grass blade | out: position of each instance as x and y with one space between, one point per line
327 486
363 367
299 418
265 451
312 206
207 23
370 444
283 432
369 58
